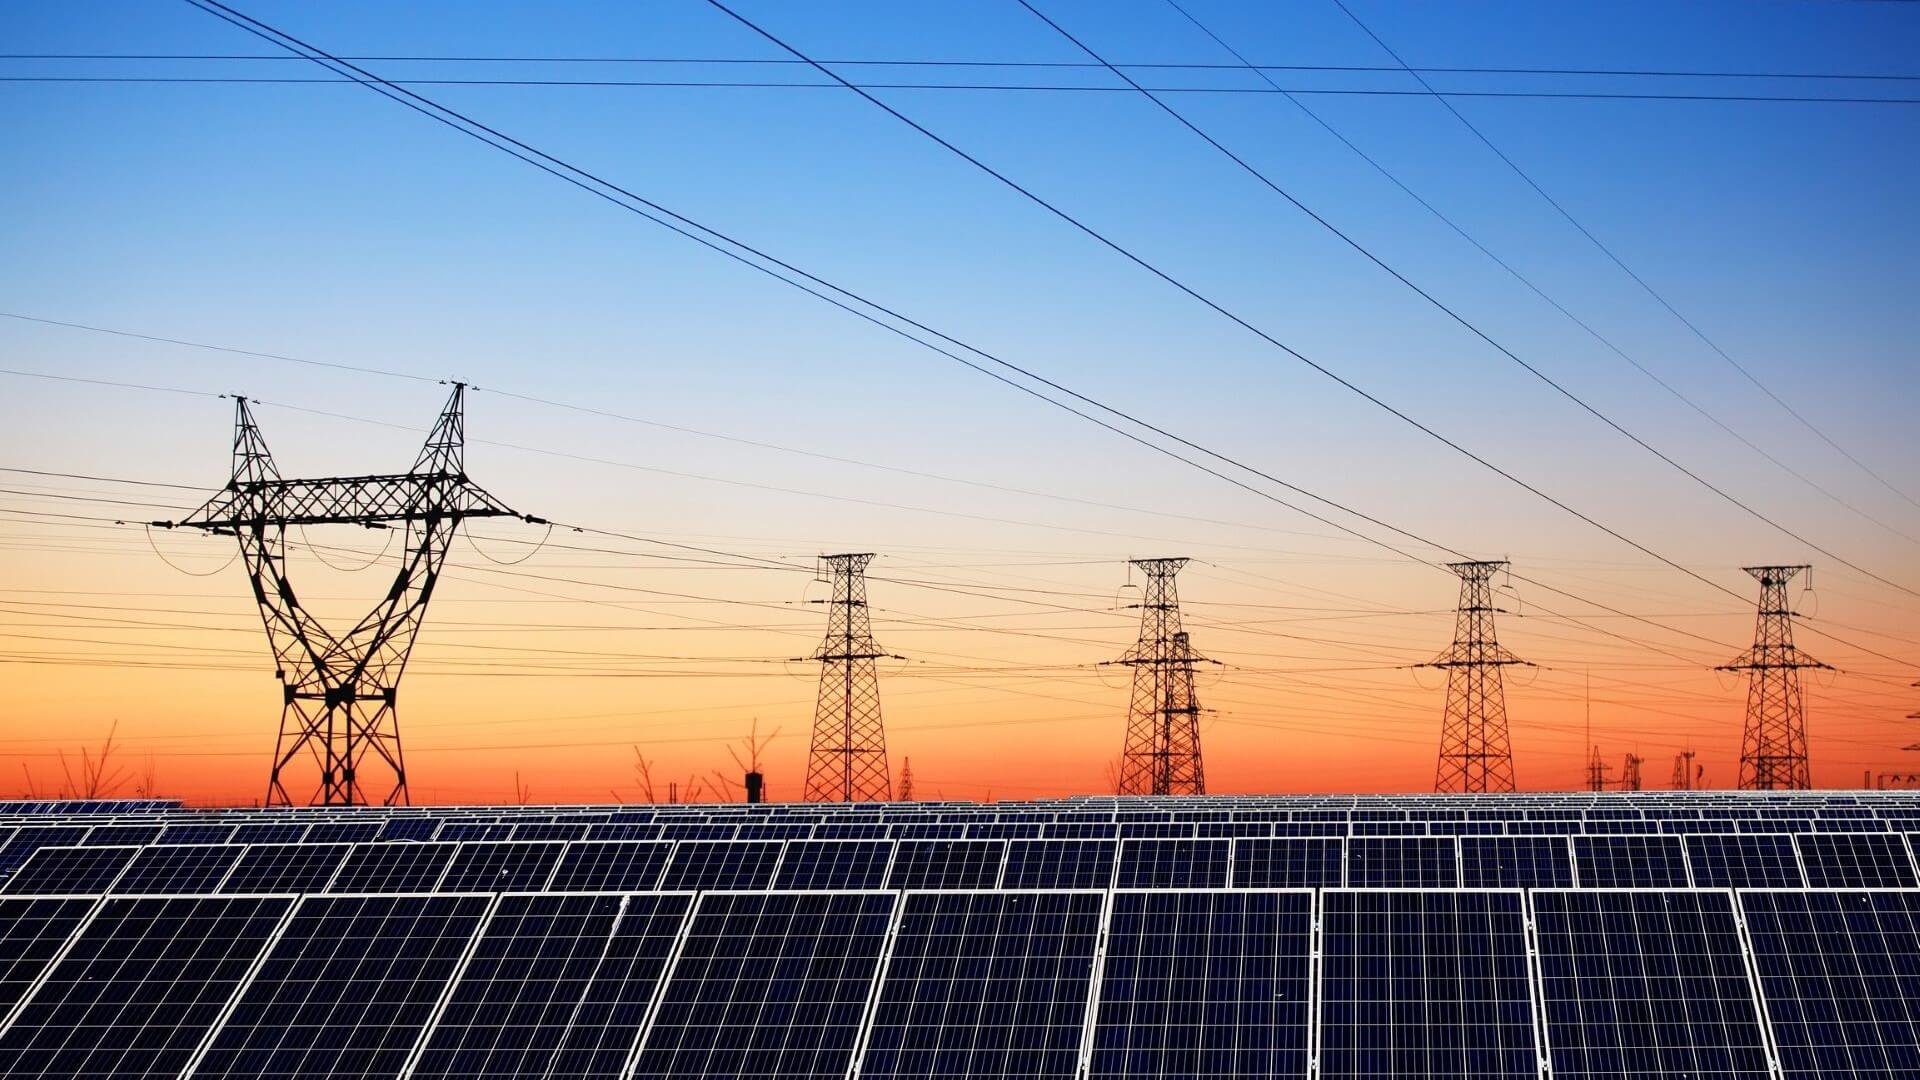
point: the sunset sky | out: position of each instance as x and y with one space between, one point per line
351 254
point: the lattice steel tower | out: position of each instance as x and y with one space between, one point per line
338 691
1773 752
1474 754
1162 752
848 759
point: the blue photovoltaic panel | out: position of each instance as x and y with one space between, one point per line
1402 862
557 986
697 830
1059 864
610 866
343 832
1646 984
850 830
1515 862
140 987
1425 984
1305 862
834 864
122 835
1081 830
551 830
196 834
1205 984
32 930
393 868
410 828
347 988
1743 861
1647 861
179 868
1173 864
1838 972
285 868
34 837
946 864
476 830
721 864
55 870
775 830
277 832
1856 861
1156 830
768 985
985 985
624 830
929 830
501 866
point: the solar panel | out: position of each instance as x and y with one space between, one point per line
697 830
834 864
480 830
721 864
285 868
343 832
768 985
279 832
1174 864
1403 862
501 866
32 838
623 830
32 932
1837 972
946 864
52 871
1856 861
179 868
1059 864
1743 861
196 834
347 988
121 835
410 828
551 830
610 866
1291 863
1644 984
1515 862
393 868
1646 861
1205 984
140 987
1425 984
557 985
985 985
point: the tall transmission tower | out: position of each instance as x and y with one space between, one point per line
1773 752
1630 773
1684 773
1596 771
848 758
339 691
1474 754
1162 753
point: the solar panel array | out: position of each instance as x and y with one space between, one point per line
1701 934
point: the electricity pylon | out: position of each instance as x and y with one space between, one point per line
1773 751
1161 755
848 758
338 691
1596 772
1684 774
1474 753
1630 773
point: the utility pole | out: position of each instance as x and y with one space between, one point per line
1773 751
1474 753
848 758
338 692
1161 755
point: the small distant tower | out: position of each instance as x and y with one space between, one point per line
1630 773
1161 755
848 759
906 779
1683 772
1474 753
1773 751
1596 772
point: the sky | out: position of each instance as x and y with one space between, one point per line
632 381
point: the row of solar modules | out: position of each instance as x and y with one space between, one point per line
957 984
1710 860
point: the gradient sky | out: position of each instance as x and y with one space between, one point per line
324 223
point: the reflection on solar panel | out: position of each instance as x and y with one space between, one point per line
393 868
179 868
55 870
501 866
1059 864
1837 974
946 864
28 840
1292 863
140 987
768 985
1205 984
834 864
1630 862
1173 864
1402 862
32 930
1743 861
285 868
410 828
1856 861
556 983
721 864
1515 862
611 866
1425 984
985 984
1646 984
347 988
